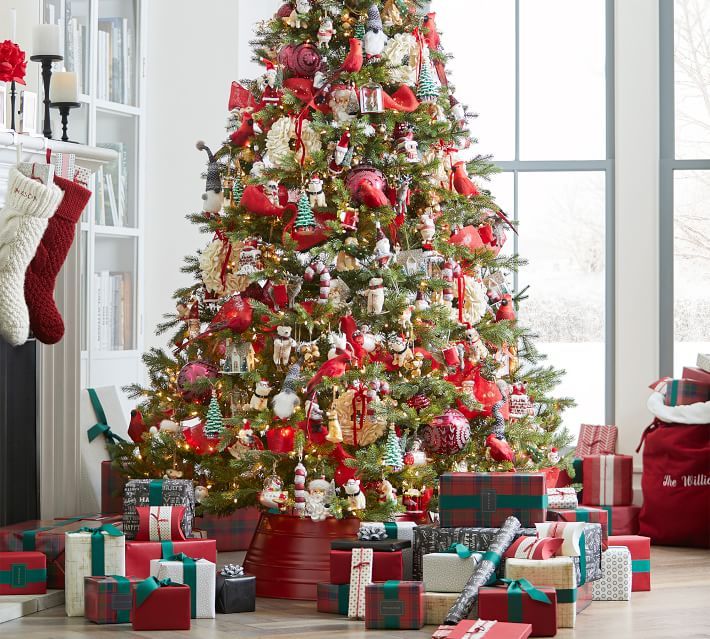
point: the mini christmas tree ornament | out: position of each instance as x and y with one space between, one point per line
427 89
214 424
305 220
393 451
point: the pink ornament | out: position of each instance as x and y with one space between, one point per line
191 374
302 60
447 434
362 173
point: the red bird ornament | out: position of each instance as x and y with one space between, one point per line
248 129
499 448
461 182
371 196
333 368
136 427
354 60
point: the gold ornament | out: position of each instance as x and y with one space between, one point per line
391 15
335 433
372 429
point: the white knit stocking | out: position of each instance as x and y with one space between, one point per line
23 221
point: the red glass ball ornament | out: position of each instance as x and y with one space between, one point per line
285 10
192 373
447 434
419 402
302 60
280 440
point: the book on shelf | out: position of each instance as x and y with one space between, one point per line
118 174
115 60
113 295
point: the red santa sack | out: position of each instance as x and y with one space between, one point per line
676 484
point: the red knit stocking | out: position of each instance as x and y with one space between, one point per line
45 320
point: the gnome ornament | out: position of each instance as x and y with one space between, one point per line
286 401
375 38
315 192
213 197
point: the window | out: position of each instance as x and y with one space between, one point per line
539 74
685 183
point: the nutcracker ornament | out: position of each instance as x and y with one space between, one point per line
213 197
283 345
316 195
325 32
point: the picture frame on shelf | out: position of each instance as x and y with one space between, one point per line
27 120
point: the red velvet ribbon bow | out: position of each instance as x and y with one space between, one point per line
359 396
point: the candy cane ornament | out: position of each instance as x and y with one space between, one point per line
319 268
299 491
450 269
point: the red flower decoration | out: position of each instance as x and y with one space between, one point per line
12 63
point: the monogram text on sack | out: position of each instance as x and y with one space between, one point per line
687 481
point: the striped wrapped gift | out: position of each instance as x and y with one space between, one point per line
488 499
437 606
333 598
392 530
23 573
91 551
108 598
584 513
608 480
157 492
233 532
596 440
394 605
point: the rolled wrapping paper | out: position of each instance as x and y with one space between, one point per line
484 571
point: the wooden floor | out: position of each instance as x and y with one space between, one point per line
677 607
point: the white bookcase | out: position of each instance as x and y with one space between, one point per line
104 42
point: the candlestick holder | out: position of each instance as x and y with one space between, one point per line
13 95
64 108
46 61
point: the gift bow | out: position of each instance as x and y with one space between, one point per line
232 570
146 587
101 427
516 586
464 552
98 558
372 534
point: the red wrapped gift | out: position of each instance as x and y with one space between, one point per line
585 513
23 573
386 566
161 605
109 598
394 605
623 520
640 549
233 532
607 480
696 374
112 484
485 629
596 440
521 602
140 553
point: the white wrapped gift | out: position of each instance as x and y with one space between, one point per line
205 582
80 561
447 572
392 530
615 584
562 498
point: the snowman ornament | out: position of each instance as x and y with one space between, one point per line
260 399
316 196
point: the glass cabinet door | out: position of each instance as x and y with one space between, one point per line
117 57
73 18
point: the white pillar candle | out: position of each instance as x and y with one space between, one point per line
13 23
64 87
45 39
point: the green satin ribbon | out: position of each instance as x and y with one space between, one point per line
640 565
566 595
391 608
147 587
491 556
512 502
155 492
582 559
464 552
516 588
29 537
167 549
98 555
391 529
101 427
189 577
123 587
20 575
343 598
609 523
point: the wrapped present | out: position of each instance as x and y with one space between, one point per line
402 530
198 574
584 513
697 374
161 605
379 545
703 362
608 480
437 606
519 601
488 499
112 485
565 497
91 551
160 523
109 598
682 392
157 492
615 584
483 629
596 440
430 539
23 573
582 542
640 549
333 598
386 566
95 518
557 573
449 571
394 605
235 590
139 554
484 571
623 520
233 532
361 561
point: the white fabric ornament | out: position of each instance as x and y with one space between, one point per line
211 261
280 136
400 54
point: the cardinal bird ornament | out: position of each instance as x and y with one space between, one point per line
354 60
248 129
371 196
136 427
333 368
500 449
461 182
432 35
506 310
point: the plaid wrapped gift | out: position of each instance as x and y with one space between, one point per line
112 486
394 605
521 602
682 392
623 520
615 585
596 440
139 554
640 549
483 629
23 573
43 536
333 598
392 530
157 492
557 573
437 606
430 539
488 499
562 498
697 374
608 480
584 513
233 532
108 598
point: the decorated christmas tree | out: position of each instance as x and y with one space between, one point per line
355 282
